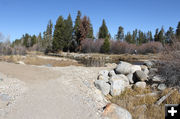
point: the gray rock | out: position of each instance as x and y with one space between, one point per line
118 84
157 78
1 79
112 73
153 71
145 69
103 86
5 97
104 73
104 78
48 65
154 86
140 84
140 75
149 64
113 111
162 87
126 68
130 77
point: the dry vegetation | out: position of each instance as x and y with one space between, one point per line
142 105
36 60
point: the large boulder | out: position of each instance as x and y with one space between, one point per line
126 68
149 64
140 84
140 76
145 69
113 111
118 84
130 77
112 73
104 78
103 86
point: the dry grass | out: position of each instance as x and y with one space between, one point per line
143 107
35 60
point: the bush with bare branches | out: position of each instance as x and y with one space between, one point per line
171 63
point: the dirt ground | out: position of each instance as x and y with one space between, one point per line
55 92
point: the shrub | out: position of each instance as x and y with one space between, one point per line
92 46
171 63
151 47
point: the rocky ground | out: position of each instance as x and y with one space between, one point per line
40 92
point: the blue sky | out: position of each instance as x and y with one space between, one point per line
31 16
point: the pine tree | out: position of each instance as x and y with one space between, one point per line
105 48
39 42
77 33
90 30
103 31
58 39
49 36
149 36
169 35
33 40
156 35
178 31
134 36
161 36
68 33
128 37
120 34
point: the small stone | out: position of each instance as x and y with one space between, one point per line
104 73
4 97
113 111
157 78
154 86
140 85
162 87
1 79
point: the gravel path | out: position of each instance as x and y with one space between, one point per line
54 92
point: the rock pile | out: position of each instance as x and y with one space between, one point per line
126 75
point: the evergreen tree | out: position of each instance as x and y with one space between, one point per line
161 36
49 36
156 35
68 33
169 35
178 31
39 42
77 33
105 48
120 33
141 37
103 31
134 36
90 30
33 40
149 36
128 37
58 39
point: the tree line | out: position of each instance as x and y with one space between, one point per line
66 36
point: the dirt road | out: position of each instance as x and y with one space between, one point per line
55 92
